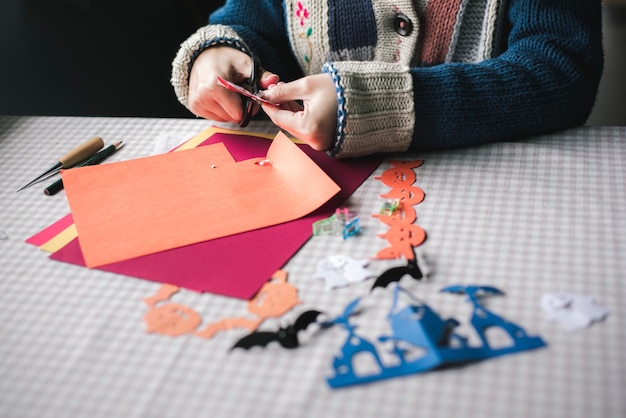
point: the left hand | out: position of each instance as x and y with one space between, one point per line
315 122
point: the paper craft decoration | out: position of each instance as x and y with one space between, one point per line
399 214
171 319
238 89
574 312
394 274
215 266
403 236
417 325
138 207
342 270
287 336
275 298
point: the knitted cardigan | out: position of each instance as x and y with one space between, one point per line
426 74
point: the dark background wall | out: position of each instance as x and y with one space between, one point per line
93 57
113 57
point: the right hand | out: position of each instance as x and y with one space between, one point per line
209 100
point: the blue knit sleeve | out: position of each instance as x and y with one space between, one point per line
261 24
546 80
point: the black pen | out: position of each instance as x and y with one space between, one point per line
57 186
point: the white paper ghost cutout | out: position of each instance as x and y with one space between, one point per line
574 312
342 270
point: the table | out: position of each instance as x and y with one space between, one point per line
530 216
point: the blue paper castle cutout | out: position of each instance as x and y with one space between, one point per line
419 326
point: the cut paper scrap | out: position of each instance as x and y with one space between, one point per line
342 270
134 208
215 266
574 312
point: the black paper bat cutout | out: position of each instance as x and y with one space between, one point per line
287 336
394 274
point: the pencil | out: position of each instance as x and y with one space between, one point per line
57 186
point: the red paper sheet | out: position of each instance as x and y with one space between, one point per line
238 265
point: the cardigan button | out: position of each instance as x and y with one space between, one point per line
403 25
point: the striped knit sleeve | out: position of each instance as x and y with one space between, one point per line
375 107
545 81
205 37
254 27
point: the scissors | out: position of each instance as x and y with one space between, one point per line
249 92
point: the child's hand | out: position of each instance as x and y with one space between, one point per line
316 121
212 101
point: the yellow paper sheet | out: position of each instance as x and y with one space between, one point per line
60 240
128 209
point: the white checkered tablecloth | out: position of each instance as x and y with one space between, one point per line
544 214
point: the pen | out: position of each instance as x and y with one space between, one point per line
84 150
57 186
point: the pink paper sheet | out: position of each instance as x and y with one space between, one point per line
238 265
50 232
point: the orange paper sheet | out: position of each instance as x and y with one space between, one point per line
133 208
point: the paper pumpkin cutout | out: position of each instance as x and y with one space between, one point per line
275 298
400 177
172 319
400 174
403 236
